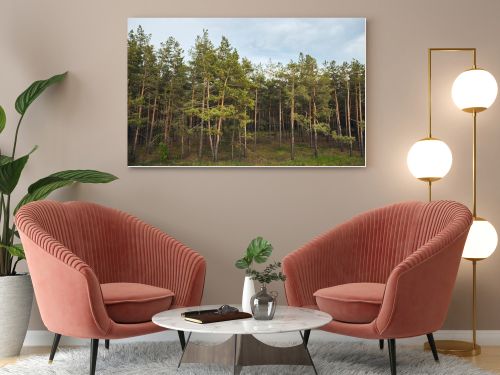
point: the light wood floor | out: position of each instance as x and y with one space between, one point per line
488 360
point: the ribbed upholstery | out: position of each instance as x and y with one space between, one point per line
389 245
87 245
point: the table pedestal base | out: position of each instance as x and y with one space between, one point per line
246 350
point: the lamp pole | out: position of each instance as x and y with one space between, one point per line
454 347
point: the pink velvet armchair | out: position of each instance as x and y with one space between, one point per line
99 273
385 274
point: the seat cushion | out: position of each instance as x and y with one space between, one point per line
135 303
351 303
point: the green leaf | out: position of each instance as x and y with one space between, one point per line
10 172
86 176
29 95
3 119
42 193
5 159
242 263
259 250
15 250
43 187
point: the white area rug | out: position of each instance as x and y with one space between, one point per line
161 358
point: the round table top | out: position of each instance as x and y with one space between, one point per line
286 319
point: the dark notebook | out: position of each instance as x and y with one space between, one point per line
211 316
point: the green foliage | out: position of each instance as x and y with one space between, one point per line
269 274
258 250
11 170
29 95
322 128
15 250
342 139
163 148
43 187
3 119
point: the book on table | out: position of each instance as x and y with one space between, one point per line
213 316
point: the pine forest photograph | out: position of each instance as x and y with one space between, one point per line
249 92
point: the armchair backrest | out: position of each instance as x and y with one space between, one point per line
386 236
92 232
368 247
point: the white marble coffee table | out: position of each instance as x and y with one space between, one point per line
242 348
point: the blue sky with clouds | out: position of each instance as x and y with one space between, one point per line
262 39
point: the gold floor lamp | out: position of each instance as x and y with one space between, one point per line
430 159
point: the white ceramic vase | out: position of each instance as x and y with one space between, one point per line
16 298
248 292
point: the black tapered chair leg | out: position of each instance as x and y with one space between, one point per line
106 344
182 339
307 333
94 346
381 344
392 355
432 344
55 344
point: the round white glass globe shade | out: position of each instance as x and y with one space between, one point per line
481 241
429 159
474 90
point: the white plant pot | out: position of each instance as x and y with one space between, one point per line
248 292
16 298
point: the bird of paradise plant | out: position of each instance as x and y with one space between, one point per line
11 169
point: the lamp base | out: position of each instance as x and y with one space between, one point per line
456 348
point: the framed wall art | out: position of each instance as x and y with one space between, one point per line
255 92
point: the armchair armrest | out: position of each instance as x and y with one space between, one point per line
68 292
419 289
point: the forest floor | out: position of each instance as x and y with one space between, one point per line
267 153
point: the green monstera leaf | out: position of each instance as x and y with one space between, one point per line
259 250
29 95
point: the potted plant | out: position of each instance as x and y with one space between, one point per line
258 251
16 291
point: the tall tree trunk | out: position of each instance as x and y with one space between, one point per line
310 125
147 124
348 116
219 123
361 122
202 123
280 115
245 140
292 115
209 124
337 116
269 116
166 131
152 125
255 120
191 117
239 142
315 130
136 138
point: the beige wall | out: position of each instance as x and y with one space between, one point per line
82 124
